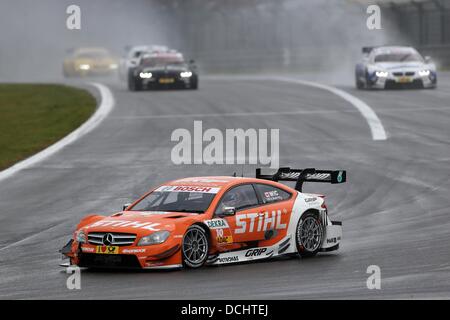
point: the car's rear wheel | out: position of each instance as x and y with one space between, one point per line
309 234
195 247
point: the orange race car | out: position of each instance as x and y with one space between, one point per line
211 220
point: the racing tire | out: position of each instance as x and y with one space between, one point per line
359 84
194 247
309 235
134 84
194 84
434 86
367 84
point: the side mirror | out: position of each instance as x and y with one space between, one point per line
229 211
126 205
428 59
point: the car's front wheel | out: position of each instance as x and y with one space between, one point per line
359 84
134 84
194 83
195 247
309 235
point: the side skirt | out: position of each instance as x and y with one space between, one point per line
166 267
251 254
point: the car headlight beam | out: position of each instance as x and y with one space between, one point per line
424 73
145 75
155 238
381 74
84 66
186 74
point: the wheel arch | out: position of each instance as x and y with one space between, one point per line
185 260
205 228
300 246
312 210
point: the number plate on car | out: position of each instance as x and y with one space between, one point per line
166 80
404 79
107 249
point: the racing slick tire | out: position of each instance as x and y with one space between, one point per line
367 85
194 247
434 86
359 84
194 83
133 83
309 234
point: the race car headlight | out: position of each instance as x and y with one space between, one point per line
145 75
381 74
84 66
424 73
155 238
186 74
81 237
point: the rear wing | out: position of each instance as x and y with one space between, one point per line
304 175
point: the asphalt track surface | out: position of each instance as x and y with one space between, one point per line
395 206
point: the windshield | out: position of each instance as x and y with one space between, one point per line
136 54
399 57
92 55
163 62
177 199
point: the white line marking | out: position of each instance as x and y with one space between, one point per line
376 127
106 105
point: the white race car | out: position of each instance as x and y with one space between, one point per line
132 56
389 67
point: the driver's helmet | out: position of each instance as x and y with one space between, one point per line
231 199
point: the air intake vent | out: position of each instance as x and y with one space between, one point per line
111 238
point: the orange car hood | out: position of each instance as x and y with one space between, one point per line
139 222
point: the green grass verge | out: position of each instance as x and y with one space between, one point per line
34 116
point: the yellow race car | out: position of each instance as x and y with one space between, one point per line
89 61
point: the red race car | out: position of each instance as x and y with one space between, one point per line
199 221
